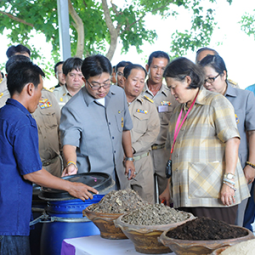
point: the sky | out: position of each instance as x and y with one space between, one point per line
236 48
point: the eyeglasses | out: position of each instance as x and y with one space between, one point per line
211 79
97 85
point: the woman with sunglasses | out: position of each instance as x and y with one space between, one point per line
243 102
207 178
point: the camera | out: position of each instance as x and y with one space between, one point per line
169 168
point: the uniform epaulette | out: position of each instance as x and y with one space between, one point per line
233 82
50 90
148 99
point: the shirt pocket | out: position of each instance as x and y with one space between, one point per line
165 116
119 117
49 119
205 179
140 122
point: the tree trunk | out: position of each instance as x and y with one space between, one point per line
80 30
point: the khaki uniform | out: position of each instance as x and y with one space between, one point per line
146 126
3 85
62 95
165 103
47 116
3 97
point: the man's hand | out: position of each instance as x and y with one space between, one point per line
81 191
165 196
69 170
249 174
129 165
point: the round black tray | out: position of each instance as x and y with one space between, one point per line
97 180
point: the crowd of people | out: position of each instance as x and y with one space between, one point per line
176 132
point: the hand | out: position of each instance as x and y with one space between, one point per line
227 195
165 196
81 191
130 165
70 170
249 174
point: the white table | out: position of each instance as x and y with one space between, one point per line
96 245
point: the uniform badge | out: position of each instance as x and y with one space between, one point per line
142 111
165 103
122 122
44 103
61 99
237 119
1 94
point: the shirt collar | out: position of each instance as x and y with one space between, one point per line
17 104
164 89
232 92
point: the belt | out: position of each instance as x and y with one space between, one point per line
157 147
141 156
48 162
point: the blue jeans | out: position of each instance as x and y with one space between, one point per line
14 245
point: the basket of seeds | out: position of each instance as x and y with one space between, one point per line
112 206
203 236
144 225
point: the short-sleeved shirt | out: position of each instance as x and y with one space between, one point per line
199 152
96 130
243 102
19 156
165 103
251 88
146 124
62 95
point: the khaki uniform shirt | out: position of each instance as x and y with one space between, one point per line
198 159
165 103
62 95
3 97
3 85
47 116
146 124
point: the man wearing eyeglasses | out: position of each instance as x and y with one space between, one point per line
73 79
95 125
119 73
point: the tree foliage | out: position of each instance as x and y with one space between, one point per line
248 23
105 23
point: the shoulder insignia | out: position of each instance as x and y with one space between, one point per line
148 99
50 90
233 82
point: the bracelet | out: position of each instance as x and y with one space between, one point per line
250 164
129 159
229 181
230 186
71 163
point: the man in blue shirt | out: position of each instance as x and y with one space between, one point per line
20 162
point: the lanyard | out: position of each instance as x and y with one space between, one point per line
177 130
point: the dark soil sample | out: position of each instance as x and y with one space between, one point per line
121 201
206 229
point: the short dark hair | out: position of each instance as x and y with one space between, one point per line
129 68
55 67
122 64
158 54
71 64
95 65
12 50
23 73
182 67
216 62
12 61
203 49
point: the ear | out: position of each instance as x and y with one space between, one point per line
188 80
147 68
64 76
224 75
56 76
84 80
30 88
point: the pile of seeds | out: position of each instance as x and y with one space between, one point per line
156 214
206 229
121 201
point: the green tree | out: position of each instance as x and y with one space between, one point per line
248 23
97 26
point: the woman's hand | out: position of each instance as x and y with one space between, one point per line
227 195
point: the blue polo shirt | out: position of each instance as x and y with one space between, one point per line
18 156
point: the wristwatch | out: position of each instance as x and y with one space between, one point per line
229 176
129 159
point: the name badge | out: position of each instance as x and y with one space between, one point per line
163 108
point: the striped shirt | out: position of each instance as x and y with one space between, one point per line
198 159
